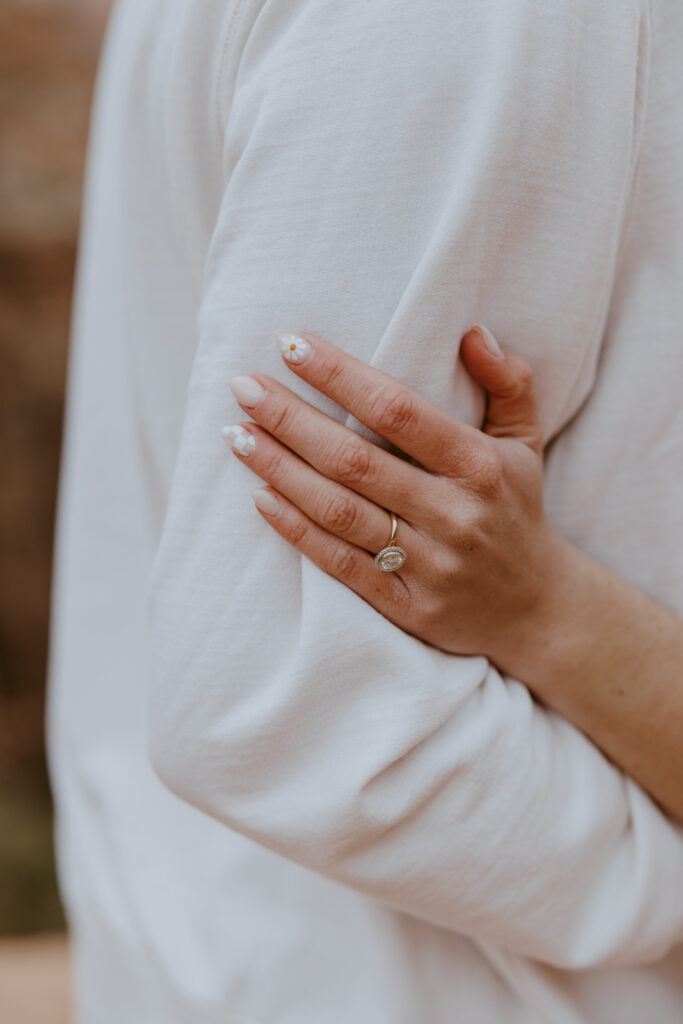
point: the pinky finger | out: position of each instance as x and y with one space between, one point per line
352 566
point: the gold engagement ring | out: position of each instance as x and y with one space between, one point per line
391 558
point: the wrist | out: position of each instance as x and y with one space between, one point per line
558 626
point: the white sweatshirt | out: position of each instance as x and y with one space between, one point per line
274 806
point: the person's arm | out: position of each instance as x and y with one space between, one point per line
486 572
393 172
609 657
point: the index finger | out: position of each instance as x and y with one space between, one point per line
394 411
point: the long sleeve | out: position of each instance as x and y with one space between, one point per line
393 173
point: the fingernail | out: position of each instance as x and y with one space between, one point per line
490 342
247 391
239 439
294 348
266 501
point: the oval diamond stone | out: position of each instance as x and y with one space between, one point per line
390 559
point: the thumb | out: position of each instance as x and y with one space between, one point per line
508 380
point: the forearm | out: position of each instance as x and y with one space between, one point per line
609 658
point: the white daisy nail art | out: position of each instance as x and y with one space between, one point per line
239 439
294 348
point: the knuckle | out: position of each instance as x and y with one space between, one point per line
525 376
486 477
465 534
351 463
329 374
444 576
522 379
337 513
274 467
450 568
393 411
298 532
343 563
425 612
280 420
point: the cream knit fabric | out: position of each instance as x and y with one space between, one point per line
368 830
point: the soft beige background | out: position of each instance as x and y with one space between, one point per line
48 53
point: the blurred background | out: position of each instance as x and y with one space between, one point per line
48 59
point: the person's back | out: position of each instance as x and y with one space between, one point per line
383 175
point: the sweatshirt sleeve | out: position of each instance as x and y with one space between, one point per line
392 174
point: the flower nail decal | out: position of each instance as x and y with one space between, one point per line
239 439
294 348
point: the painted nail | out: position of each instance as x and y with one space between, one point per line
266 501
294 348
489 341
247 391
239 439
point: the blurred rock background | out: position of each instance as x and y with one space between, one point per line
48 56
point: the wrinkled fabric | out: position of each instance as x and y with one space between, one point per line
274 807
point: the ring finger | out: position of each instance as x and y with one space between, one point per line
337 509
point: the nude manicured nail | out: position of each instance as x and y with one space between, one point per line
239 439
247 391
294 348
489 341
266 501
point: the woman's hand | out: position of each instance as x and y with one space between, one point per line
481 555
485 572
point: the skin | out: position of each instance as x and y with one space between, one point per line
486 572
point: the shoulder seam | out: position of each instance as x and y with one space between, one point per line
225 61
642 84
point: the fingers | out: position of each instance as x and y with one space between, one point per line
353 567
508 379
335 508
335 451
391 409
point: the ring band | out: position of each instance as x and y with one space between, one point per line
391 558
